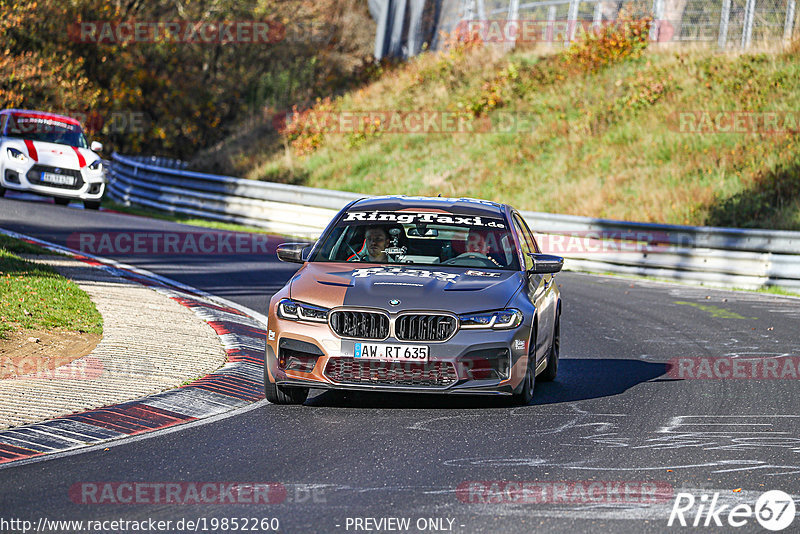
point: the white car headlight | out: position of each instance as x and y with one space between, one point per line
96 166
298 311
500 319
15 154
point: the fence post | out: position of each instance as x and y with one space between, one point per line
469 10
598 15
572 20
383 30
658 15
747 29
551 25
513 18
724 19
788 25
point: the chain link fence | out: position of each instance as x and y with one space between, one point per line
407 27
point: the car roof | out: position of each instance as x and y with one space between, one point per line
40 114
467 206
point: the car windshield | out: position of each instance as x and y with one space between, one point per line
420 238
47 129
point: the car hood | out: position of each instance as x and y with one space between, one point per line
458 290
54 154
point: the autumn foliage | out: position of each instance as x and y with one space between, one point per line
610 43
191 93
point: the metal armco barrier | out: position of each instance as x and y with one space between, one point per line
729 257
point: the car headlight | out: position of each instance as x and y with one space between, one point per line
13 153
96 166
500 319
298 311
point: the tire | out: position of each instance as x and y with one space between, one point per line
549 373
91 204
525 396
282 394
61 201
2 191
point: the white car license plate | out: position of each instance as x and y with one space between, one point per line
391 353
59 179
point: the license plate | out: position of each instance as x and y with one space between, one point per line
59 179
391 353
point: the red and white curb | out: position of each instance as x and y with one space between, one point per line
239 383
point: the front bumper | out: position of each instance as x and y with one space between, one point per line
473 362
465 387
26 176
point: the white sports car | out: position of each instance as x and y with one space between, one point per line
47 154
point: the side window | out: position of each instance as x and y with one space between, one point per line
528 233
525 243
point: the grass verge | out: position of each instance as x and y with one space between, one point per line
36 296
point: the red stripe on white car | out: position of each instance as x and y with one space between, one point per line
81 159
31 150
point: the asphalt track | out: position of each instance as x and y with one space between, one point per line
613 415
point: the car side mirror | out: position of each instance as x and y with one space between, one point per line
96 146
294 252
545 263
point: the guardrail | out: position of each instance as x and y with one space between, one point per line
729 257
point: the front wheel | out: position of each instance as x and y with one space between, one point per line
61 201
91 204
282 394
549 373
2 191
524 397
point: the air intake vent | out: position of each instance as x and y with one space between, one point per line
417 374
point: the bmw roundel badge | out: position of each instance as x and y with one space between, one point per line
394 302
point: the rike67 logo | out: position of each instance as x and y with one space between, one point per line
774 510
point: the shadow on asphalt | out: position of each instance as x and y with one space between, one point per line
583 379
578 379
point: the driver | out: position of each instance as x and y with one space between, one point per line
373 251
477 242
483 242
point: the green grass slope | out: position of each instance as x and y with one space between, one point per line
602 136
